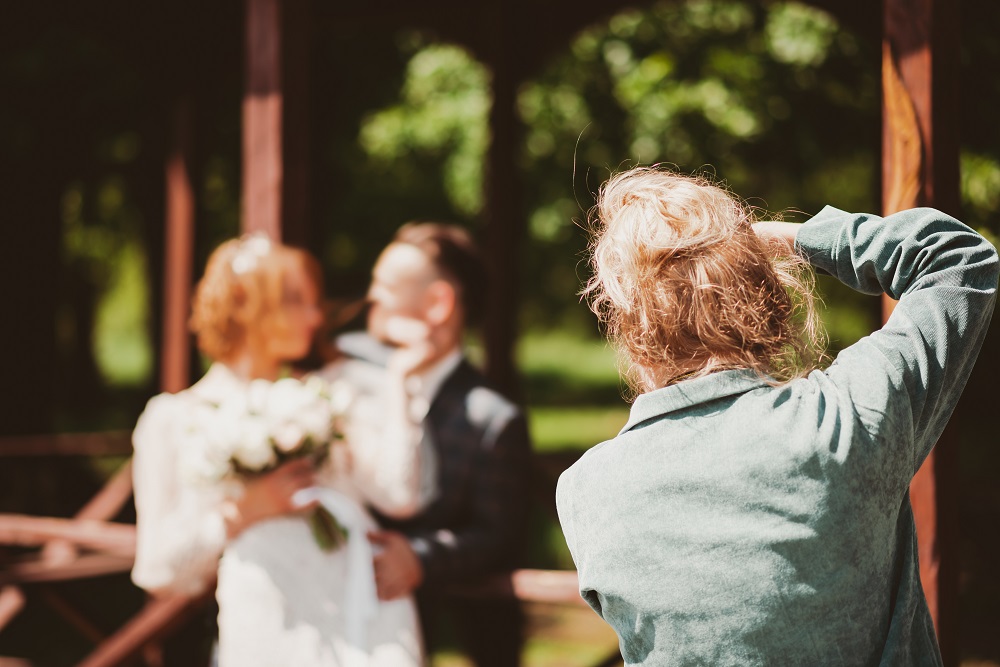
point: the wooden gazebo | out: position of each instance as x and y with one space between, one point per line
920 167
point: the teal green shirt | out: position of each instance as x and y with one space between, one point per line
732 522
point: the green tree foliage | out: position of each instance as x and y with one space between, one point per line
776 100
444 108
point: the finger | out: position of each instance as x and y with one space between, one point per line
378 537
383 582
297 466
387 590
393 591
406 330
293 486
305 470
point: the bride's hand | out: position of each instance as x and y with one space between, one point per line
270 495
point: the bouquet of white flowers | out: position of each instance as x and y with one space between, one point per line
255 431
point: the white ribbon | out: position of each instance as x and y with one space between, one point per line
360 603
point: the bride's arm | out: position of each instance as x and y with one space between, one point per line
180 534
182 528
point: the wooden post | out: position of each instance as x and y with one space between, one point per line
275 114
920 168
176 357
262 119
505 224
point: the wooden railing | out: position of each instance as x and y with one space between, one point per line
91 545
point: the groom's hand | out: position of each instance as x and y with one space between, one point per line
414 342
398 571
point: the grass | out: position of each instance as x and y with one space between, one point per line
558 636
577 428
563 368
574 394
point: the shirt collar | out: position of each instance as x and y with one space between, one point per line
425 385
685 394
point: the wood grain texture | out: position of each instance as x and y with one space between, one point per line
262 119
920 168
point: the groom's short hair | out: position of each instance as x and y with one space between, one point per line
456 257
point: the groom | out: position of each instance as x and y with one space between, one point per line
431 275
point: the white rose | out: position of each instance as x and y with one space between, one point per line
253 448
287 398
258 396
289 437
317 423
316 385
341 397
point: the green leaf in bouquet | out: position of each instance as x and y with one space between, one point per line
329 533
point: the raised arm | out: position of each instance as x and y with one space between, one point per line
183 525
391 466
906 378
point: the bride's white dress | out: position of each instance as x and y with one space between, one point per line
282 600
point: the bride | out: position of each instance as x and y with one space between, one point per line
282 600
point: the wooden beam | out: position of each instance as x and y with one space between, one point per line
102 507
920 168
84 625
548 586
175 357
15 662
108 443
111 498
263 166
90 565
11 603
33 531
156 620
276 148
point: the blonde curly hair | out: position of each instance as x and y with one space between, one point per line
243 284
685 287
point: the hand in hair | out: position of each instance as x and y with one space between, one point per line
416 346
778 236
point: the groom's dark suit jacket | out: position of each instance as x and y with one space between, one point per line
476 524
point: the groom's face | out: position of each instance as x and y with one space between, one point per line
399 288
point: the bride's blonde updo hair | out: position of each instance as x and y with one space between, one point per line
686 288
244 283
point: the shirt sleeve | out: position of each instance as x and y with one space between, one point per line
905 379
393 467
180 533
